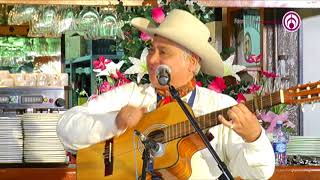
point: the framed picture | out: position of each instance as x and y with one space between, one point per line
245 36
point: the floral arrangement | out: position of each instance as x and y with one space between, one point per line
277 113
133 66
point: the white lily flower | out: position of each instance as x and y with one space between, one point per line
232 70
111 68
139 65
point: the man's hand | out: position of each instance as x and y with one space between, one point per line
243 122
129 116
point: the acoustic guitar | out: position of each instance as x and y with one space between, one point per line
120 157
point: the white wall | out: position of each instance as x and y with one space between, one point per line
311 68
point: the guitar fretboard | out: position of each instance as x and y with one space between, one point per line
209 120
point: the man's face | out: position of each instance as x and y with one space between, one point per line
164 51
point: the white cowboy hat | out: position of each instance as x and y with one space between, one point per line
183 28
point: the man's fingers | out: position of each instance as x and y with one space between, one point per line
232 115
224 121
243 108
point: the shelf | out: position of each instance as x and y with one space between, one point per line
79 60
81 70
116 56
89 57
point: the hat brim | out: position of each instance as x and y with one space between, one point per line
211 62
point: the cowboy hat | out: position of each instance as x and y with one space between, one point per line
183 28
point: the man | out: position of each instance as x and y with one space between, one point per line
180 42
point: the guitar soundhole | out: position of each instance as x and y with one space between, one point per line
157 135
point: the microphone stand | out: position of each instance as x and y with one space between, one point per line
147 165
222 166
146 158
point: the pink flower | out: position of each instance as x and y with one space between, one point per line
97 64
105 86
120 77
217 85
269 74
254 88
240 98
158 15
199 83
144 36
102 58
101 63
254 59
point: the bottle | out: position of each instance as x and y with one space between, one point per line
279 143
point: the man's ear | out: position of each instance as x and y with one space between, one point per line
194 60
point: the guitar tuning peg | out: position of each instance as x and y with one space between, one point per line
302 107
308 88
313 106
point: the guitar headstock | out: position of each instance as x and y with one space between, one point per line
302 94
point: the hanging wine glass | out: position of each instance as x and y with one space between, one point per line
108 26
67 19
88 20
3 14
21 14
44 24
48 20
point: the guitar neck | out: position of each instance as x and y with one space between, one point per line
209 120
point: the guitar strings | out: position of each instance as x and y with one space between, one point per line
265 101
135 155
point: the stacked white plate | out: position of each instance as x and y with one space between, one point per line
41 143
11 144
303 145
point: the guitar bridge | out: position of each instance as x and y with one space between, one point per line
108 157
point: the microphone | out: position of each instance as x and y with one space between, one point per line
163 74
157 149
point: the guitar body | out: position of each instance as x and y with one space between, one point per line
124 153
120 158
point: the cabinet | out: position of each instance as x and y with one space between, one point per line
80 69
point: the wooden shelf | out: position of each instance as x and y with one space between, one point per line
13 30
211 3
79 59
